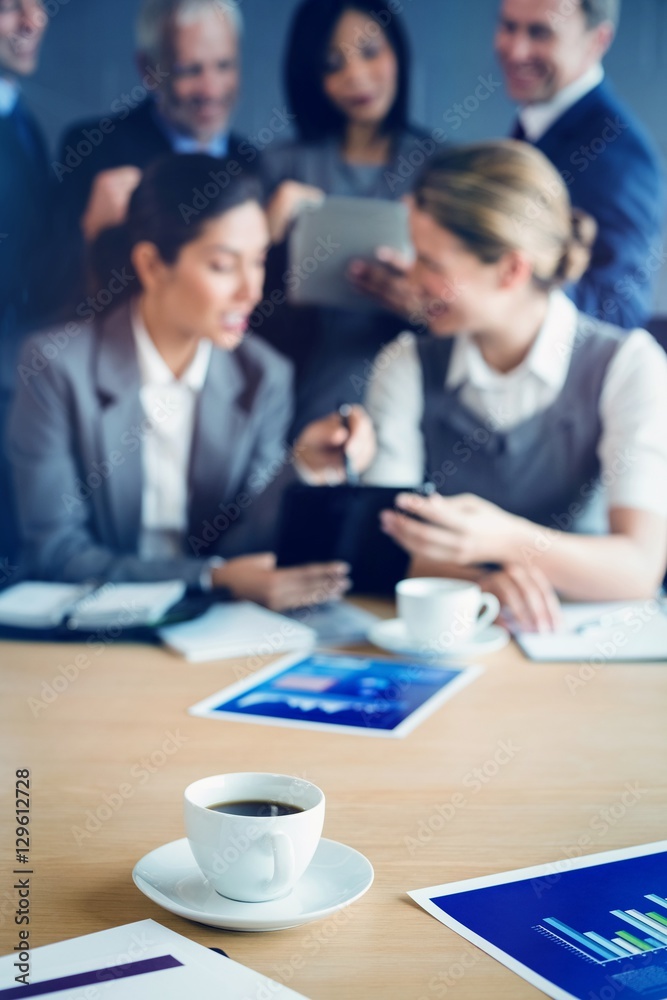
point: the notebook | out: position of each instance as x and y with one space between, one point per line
630 631
138 960
237 629
37 604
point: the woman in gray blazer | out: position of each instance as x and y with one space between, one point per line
147 440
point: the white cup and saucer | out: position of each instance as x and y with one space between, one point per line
254 858
441 619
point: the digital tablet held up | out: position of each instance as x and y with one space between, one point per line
326 237
325 523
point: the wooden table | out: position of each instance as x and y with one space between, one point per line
574 745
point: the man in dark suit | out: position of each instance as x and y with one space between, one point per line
188 58
25 213
550 52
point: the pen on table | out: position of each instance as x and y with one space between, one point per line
351 475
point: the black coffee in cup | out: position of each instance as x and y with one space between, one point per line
251 807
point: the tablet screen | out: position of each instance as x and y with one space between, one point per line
324 523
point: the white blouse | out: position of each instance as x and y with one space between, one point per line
170 405
633 405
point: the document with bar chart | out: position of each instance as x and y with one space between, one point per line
582 929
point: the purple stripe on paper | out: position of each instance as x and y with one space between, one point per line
92 978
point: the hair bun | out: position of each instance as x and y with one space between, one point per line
577 257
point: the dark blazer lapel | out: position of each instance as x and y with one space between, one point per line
120 425
570 123
220 446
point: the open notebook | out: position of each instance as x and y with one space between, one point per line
604 633
36 604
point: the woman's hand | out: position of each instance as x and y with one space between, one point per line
464 530
527 599
256 578
323 445
387 280
286 204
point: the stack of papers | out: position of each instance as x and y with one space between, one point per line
140 960
237 629
609 633
45 605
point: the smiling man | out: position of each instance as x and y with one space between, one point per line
551 52
189 75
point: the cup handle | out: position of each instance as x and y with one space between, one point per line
283 864
488 612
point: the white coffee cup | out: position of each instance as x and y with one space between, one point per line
441 614
253 858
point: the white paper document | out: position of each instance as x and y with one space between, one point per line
140 960
237 628
614 632
578 929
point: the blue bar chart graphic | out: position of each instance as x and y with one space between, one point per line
637 932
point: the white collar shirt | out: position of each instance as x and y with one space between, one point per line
9 95
537 119
169 404
503 401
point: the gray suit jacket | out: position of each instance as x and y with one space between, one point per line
75 441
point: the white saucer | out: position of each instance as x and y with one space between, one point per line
336 876
392 635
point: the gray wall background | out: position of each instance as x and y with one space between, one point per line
88 62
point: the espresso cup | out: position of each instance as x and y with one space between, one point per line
441 614
258 857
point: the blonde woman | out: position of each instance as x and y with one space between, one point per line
542 429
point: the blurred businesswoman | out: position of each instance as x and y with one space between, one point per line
542 429
144 444
347 72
